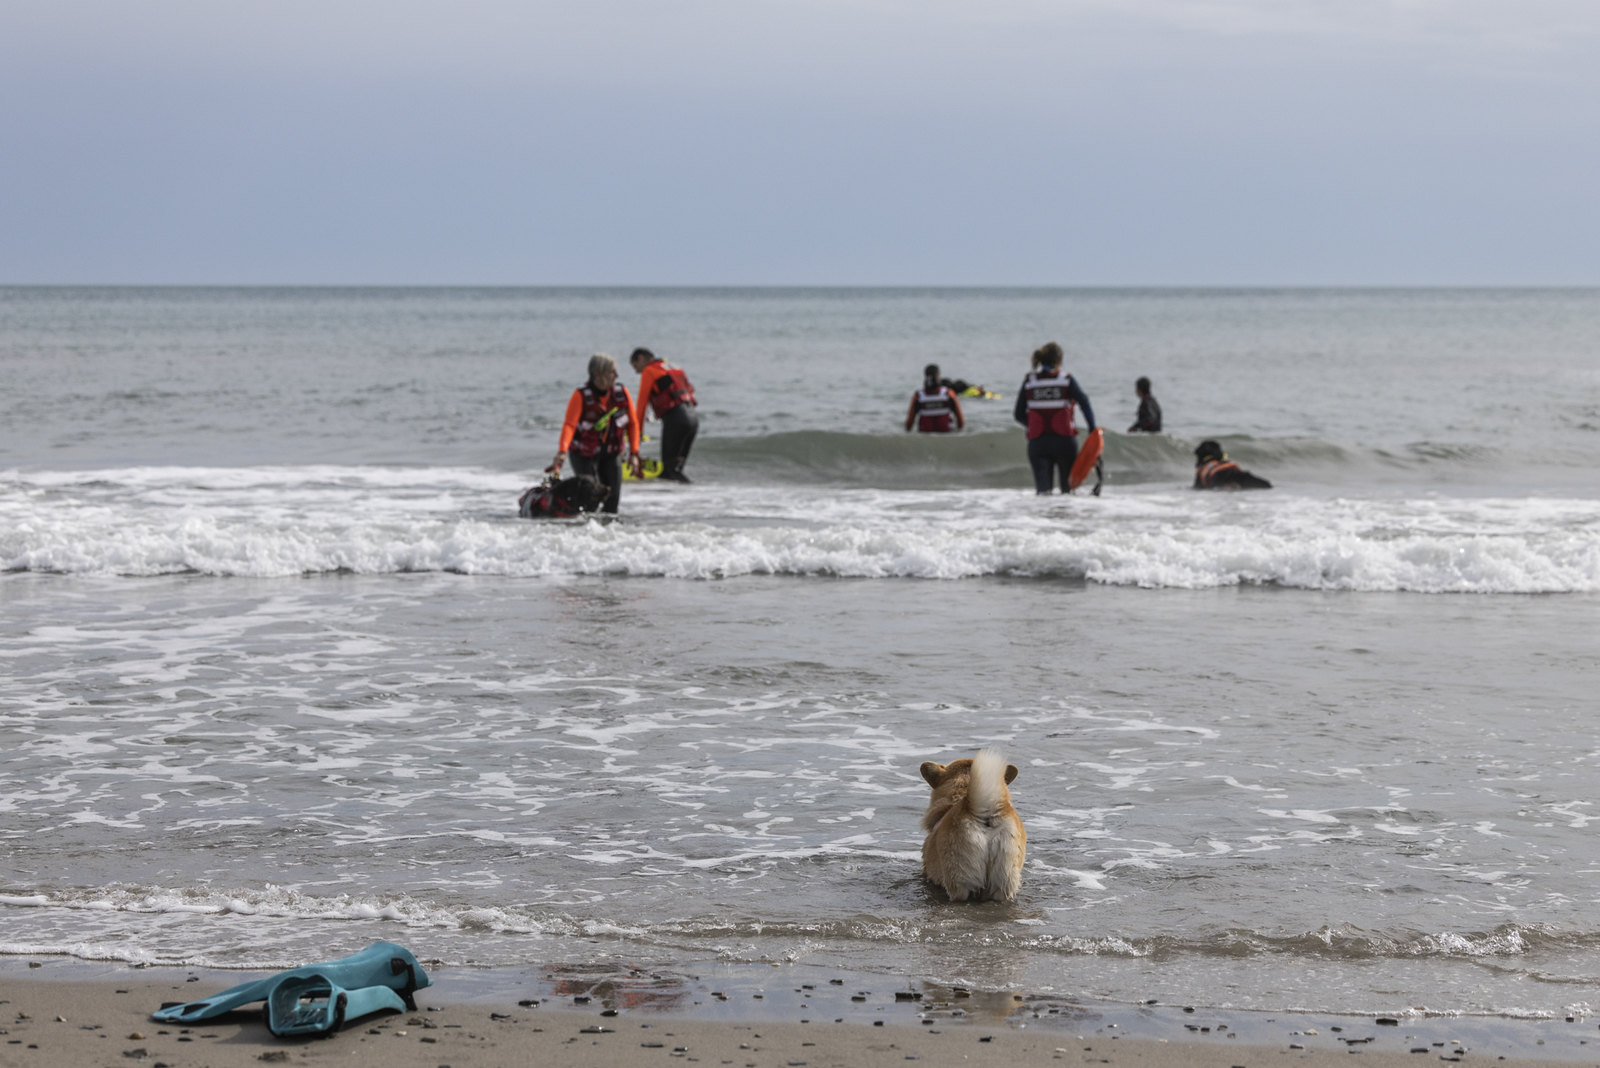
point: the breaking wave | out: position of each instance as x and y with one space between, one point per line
263 522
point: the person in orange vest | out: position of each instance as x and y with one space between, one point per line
1045 405
670 396
600 430
934 407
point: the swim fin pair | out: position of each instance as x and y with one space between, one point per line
317 998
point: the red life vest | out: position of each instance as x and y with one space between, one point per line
543 502
603 425
669 390
935 411
1049 406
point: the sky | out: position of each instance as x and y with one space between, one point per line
800 142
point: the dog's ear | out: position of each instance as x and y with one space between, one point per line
1011 773
932 772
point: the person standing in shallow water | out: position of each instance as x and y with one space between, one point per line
1149 418
934 407
1045 405
665 390
600 430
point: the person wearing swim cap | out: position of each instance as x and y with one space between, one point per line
665 390
1045 405
600 430
934 407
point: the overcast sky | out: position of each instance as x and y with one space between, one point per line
760 142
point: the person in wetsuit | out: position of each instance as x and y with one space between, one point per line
1149 418
934 408
667 392
600 430
1045 405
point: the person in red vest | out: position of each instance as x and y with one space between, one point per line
934 407
600 430
667 391
1045 406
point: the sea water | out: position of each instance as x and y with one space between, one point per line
284 673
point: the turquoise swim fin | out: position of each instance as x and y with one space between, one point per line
312 1004
227 1001
319 997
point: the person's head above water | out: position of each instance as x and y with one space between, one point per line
641 358
930 376
1209 451
1142 387
602 370
1048 355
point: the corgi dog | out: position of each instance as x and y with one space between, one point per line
975 840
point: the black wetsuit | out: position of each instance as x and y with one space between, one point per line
607 467
678 429
1149 419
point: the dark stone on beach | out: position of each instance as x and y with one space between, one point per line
1388 1021
580 999
528 1003
136 1054
596 1031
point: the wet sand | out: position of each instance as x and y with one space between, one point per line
56 1015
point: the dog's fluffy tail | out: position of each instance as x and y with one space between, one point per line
987 784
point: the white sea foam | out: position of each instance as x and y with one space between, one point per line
296 521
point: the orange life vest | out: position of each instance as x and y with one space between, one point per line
1207 472
670 389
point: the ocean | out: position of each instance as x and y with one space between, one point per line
285 674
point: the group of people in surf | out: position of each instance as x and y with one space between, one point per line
601 431
1046 405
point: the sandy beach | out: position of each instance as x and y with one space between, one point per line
52 1017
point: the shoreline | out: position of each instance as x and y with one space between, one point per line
58 1012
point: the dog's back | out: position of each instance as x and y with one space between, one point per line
562 500
976 842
